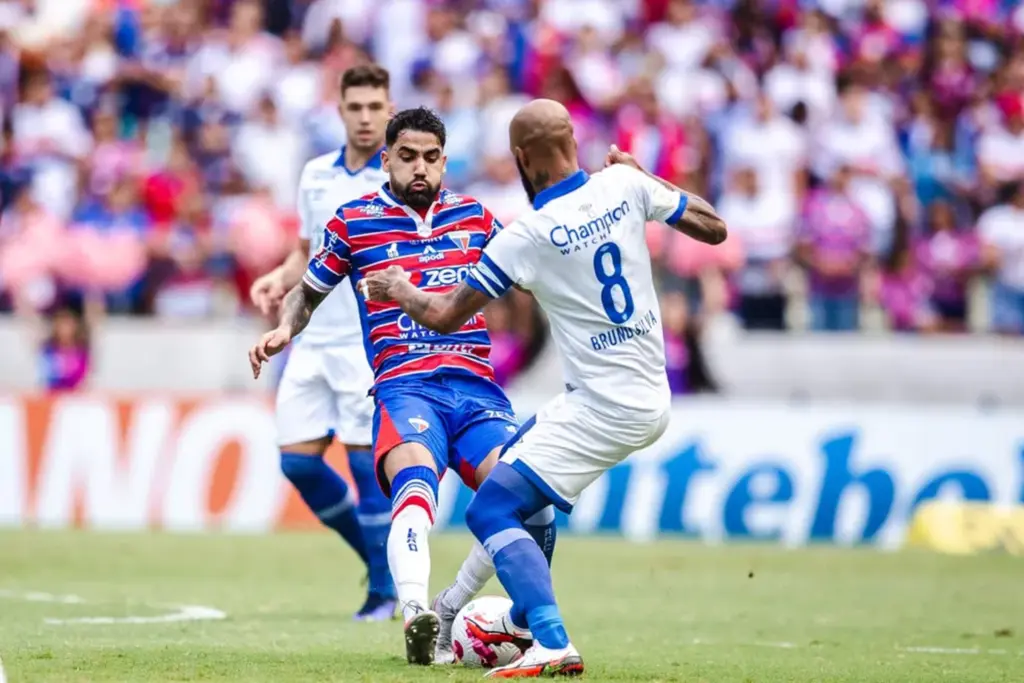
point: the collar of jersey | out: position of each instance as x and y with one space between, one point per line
423 223
561 188
376 161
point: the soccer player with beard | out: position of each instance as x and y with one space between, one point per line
583 255
437 405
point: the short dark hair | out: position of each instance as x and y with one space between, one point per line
421 119
366 75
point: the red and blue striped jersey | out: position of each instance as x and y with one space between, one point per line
377 231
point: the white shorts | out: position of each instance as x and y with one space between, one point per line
324 390
568 445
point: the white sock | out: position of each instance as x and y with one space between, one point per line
413 513
476 571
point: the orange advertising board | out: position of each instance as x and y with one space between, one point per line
148 462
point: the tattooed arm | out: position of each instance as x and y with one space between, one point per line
296 310
444 313
298 307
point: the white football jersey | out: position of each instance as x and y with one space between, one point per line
324 186
583 254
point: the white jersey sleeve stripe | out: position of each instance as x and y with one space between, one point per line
678 213
492 280
315 283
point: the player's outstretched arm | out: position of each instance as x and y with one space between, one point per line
444 313
297 308
699 220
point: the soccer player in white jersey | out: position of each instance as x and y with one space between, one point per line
583 254
323 392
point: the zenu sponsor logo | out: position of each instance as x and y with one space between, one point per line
592 232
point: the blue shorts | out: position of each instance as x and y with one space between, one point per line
459 419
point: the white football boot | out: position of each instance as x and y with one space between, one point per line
421 636
540 662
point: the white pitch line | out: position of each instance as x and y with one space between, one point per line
182 613
176 613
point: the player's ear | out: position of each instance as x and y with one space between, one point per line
520 156
384 162
444 164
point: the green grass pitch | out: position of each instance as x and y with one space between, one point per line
666 611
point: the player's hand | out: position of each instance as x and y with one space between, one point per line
377 286
267 293
271 344
617 156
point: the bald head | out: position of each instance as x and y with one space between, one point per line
541 125
542 142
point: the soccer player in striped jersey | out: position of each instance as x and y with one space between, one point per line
437 405
583 254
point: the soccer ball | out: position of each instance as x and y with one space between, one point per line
470 650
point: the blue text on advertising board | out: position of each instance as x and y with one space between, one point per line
683 473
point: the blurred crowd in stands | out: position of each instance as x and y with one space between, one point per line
867 155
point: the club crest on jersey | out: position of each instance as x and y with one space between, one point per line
431 254
461 239
375 210
393 250
419 424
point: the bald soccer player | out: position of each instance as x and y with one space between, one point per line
583 254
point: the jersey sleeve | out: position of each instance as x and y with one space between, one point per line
332 262
493 225
306 226
659 202
506 260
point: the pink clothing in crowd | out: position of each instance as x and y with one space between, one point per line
32 248
905 297
688 258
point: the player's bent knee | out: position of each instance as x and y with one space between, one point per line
404 456
479 518
485 467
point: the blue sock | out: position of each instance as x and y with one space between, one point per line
495 516
375 518
327 495
541 527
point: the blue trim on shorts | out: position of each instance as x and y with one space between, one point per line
559 502
523 428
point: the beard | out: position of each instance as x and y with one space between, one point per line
419 200
530 192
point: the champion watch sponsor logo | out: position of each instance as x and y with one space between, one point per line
593 231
